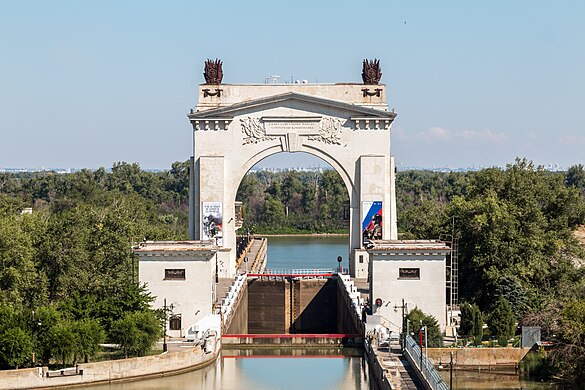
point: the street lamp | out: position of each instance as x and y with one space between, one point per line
165 309
404 308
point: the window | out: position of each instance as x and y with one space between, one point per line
361 259
175 322
409 273
174 274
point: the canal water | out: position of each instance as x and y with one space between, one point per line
267 369
309 368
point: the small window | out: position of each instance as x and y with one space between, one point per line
409 273
175 322
361 259
174 274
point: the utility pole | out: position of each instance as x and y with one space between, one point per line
404 312
165 309
420 336
451 372
33 339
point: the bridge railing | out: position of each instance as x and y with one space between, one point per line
423 365
299 271
226 310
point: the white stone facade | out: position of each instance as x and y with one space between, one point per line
183 273
347 125
409 270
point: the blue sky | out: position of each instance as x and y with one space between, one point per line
85 84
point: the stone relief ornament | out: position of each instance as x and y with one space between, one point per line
254 131
213 73
371 71
329 131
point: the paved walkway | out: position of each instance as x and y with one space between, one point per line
398 370
251 255
224 284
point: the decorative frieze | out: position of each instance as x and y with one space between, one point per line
254 130
370 123
211 123
329 132
317 128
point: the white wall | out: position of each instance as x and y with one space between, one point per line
357 269
427 293
223 156
192 297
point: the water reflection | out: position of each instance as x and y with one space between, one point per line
467 380
262 369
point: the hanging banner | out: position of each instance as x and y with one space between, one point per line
371 221
211 222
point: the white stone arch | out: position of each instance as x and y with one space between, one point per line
346 125
270 151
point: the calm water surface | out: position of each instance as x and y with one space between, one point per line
467 380
307 252
285 370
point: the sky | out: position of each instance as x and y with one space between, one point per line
474 83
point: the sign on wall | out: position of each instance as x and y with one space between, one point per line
212 218
371 221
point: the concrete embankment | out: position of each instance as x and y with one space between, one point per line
491 358
139 368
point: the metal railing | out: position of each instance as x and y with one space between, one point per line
300 271
424 366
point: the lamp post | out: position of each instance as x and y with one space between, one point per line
451 371
33 339
165 309
404 308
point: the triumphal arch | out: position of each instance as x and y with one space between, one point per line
235 126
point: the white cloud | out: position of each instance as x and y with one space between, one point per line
572 140
485 135
439 133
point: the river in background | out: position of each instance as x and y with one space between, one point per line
285 253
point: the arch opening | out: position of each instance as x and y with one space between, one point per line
312 204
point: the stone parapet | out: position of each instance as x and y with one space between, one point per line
169 363
360 94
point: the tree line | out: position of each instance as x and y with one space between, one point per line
70 260
68 281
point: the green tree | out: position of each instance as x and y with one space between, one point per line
136 332
61 338
418 319
15 348
471 321
501 321
575 176
88 336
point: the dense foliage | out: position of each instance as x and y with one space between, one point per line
471 322
419 320
519 259
70 260
294 202
67 277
